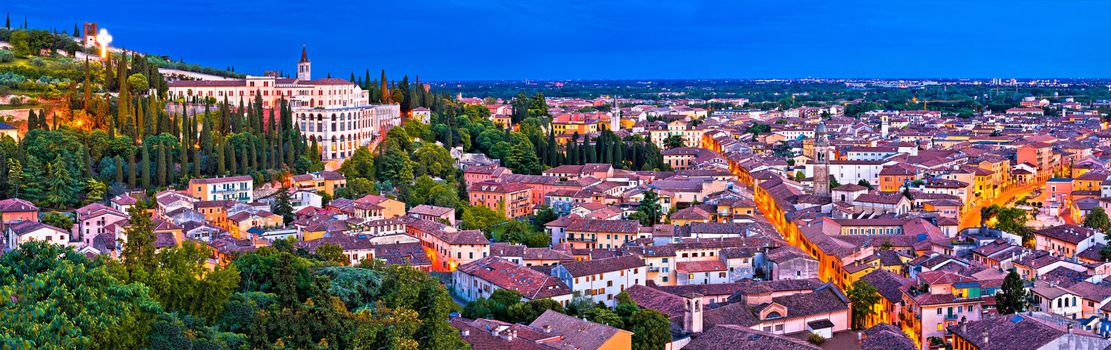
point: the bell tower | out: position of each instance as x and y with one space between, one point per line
304 68
821 160
615 116
884 126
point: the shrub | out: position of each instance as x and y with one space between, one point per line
6 56
815 338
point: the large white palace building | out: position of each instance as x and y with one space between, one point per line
336 112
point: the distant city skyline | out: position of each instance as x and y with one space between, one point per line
508 40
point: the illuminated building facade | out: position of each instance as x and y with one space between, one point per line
335 112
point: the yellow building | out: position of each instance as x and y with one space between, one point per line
501 121
321 181
240 222
580 123
373 207
216 213
238 188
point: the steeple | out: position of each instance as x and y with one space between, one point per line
615 116
821 160
304 68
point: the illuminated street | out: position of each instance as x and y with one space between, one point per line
971 217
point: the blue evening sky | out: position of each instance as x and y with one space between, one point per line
573 39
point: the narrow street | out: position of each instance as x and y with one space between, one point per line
971 217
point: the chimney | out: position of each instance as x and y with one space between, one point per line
465 333
986 339
547 328
964 328
1070 328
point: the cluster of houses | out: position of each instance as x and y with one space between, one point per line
898 208
763 233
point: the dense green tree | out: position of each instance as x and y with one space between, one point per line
43 310
359 165
1012 220
58 220
432 160
95 189
1013 296
478 217
607 317
651 330
649 212
283 206
864 298
674 141
865 183
544 214
61 192
519 232
522 158
15 177
331 253
138 250
428 191
181 281
1097 219
527 312
356 188
138 83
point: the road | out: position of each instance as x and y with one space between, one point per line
971 217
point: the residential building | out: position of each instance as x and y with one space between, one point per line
237 188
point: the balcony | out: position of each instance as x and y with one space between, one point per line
653 269
225 190
950 317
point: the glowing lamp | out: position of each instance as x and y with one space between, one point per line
102 40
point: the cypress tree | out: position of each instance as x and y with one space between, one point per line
119 169
383 89
144 165
206 133
76 32
552 151
161 174
231 159
274 158
183 159
88 95
131 168
196 163
140 131
220 160
245 154
32 121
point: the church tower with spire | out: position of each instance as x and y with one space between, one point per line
304 68
615 116
821 160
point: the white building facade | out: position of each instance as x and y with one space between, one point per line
335 112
